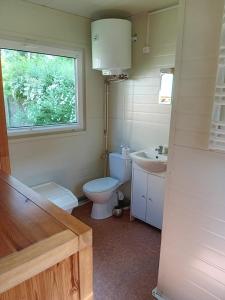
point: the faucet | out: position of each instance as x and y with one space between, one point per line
159 149
162 150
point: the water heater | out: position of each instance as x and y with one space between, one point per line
111 46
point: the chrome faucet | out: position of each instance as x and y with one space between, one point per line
159 149
162 150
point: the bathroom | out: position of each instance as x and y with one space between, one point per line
109 167
136 118
134 114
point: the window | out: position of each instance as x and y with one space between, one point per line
166 86
43 89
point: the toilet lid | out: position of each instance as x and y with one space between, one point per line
101 185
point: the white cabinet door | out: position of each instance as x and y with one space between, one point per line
155 200
139 194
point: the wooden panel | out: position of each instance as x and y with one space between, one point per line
59 282
4 149
22 265
82 230
192 250
86 273
35 234
22 223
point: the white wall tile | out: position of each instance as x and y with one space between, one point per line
134 104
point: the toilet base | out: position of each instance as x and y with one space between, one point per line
103 210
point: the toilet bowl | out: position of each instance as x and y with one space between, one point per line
102 191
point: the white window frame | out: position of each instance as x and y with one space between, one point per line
47 129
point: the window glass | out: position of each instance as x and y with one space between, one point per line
39 89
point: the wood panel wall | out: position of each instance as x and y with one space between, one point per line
59 282
4 148
192 264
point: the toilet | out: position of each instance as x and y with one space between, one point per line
102 191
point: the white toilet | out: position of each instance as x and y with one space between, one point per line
102 191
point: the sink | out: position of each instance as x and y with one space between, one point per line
150 160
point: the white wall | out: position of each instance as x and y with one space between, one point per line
68 159
192 262
136 118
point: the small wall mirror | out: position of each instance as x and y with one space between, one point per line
166 85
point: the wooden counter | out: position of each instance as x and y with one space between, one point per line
45 253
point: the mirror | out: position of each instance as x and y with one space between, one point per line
166 85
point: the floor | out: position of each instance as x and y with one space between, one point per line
126 256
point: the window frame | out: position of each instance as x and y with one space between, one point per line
52 50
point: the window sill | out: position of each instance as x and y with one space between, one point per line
44 132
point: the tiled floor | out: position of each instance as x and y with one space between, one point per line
126 256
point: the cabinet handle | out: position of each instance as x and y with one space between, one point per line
150 199
143 196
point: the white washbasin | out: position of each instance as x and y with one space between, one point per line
150 160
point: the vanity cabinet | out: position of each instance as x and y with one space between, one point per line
147 196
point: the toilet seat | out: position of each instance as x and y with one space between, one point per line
100 185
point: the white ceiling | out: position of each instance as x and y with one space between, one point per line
105 8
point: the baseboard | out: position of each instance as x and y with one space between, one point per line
158 295
81 198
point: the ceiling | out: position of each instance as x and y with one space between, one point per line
105 8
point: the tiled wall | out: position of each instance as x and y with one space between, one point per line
192 264
136 118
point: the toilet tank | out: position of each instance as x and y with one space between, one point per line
119 167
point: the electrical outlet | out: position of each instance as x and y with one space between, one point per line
146 50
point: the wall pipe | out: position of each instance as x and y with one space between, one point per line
108 80
106 127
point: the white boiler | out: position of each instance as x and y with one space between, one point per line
111 46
